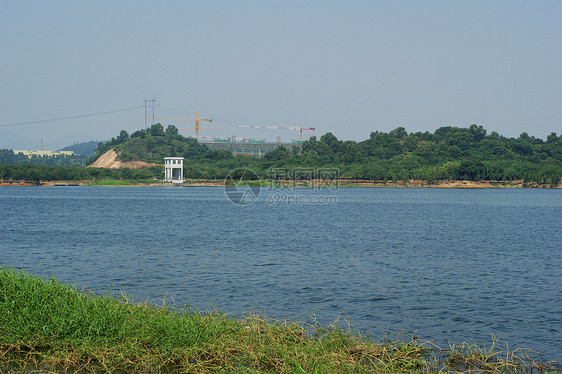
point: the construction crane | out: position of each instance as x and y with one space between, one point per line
196 127
300 129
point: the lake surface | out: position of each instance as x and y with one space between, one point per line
453 265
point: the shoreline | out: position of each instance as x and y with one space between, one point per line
341 183
81 331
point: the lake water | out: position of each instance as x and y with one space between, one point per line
453 265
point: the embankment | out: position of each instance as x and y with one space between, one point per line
109 160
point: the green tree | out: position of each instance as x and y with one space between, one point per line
171 130
156 130
399 133
471 169
123 137
280 153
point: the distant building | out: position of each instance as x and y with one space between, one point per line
253 147
43 153
173 169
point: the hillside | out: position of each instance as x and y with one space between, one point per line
151 146
86 149
448 154
110 160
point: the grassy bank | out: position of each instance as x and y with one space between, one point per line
110 182
47 325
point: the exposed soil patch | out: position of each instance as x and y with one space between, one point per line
109 160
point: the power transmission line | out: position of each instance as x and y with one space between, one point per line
374 92
185 90
71 117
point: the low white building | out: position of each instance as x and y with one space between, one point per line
173 169
43 153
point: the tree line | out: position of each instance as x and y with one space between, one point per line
449 153
7 156
40 173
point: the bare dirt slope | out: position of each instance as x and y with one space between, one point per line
109 160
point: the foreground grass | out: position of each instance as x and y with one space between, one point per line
46 325
110 182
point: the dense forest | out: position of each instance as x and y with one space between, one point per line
153 144
82 152
7 156
449 153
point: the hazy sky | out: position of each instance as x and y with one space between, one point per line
286 63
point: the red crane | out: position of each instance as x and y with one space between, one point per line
300 129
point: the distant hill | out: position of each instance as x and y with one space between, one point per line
448 154
86 149
154 144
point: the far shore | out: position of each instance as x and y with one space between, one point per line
341 183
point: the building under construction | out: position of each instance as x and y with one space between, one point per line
250 147
257 147
236 145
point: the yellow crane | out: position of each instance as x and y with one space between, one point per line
197 127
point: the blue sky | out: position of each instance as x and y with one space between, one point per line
285 63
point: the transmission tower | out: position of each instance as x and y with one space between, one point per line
146 101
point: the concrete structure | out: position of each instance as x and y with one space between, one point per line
251 149
173 169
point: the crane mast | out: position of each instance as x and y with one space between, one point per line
196 126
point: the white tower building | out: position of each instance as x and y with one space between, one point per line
173 169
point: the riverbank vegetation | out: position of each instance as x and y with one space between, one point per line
39 173
110 182
449 153
7 156
50 326
82 152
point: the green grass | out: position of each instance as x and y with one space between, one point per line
110 182
48 326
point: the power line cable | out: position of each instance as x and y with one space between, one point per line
186 91
71 117
374 92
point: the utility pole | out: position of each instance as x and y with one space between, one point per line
153 101
146 101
